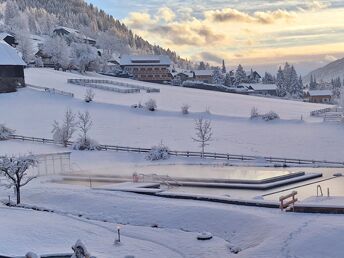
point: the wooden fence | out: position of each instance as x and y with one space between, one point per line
210 155
95 84
321 112
52 90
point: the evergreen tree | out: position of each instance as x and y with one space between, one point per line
224 70
240 75
201 66
280 83
268 78
218 77
228 80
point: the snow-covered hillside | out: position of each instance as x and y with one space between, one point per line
328 72
32 113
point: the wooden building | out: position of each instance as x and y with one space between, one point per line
64 31
11 69
148 68
205 76
319 96
262 89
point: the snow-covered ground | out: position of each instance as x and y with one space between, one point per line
258 232
32 112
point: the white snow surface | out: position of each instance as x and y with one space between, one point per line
32 112
258 232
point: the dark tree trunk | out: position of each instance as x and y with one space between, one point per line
18 195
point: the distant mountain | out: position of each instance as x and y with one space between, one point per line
328 72
42 16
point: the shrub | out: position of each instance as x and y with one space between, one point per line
254 113
89 96
86 144
151 105
5 132
185 109
270 116
160 152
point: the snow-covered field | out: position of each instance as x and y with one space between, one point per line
32 112
258 232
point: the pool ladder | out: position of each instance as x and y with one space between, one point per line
320 192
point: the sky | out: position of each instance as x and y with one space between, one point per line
257 33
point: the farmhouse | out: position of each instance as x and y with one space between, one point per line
64 31
319 96
11 69
147 68
263 89
8 38
205 76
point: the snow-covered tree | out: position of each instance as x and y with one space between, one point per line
5 132
11 15
295 89
58 49
336 85
15 169
25 46
218 77
341 99
203 132
160 152
313 85
240 75
201 66
228 80
268 78
80 251
84 124
63 133
281 91
83 56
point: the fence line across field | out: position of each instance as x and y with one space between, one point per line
213 155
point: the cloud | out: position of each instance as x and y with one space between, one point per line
138 20
211 57
318 5
233 15
166 14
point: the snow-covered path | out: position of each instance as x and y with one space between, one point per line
257 232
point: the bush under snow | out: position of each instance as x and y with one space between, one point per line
86 144
151 105
266 117
5 132
160 152
185 109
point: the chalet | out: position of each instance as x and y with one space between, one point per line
147 68
253 76
11 69
205 76
319 96
64 31
184 76
263 89
9 39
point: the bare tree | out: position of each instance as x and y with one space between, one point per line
203 133
89 96
84 124
64 132
15 170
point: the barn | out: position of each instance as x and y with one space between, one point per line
11 69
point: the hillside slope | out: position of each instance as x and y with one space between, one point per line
328 72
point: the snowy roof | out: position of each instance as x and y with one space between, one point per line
127 60
260 86
9 55
75 32
315 93
3 35
203 72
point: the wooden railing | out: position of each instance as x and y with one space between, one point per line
52 90
95 84
323 111
212 155
286 203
